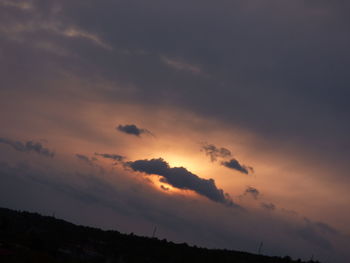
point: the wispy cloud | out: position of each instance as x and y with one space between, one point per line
181 65
268 206
225 155
78 33
29 146
51 33
114 157
215 152
85 159
252 191
23 5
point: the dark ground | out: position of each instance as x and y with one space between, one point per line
29 237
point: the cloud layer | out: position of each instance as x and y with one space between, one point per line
275 71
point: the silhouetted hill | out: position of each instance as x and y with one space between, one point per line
30 237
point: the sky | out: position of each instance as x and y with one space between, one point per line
222 123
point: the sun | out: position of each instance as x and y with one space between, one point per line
191 163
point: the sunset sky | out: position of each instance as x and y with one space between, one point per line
223 123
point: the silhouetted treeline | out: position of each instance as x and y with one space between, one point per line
29 237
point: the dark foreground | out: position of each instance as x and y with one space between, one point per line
28 237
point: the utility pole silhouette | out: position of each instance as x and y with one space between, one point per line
154 232
260 247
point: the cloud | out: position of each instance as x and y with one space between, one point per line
235 165
181 65
43 28
326 228
223 153
315 234
164 188
255 193
271 85
274 64
23 5
77 33
215 152
85 159
322 227
268 206
139 203
132 129
181 178
29 146
114 157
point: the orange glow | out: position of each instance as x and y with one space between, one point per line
87 128
184 160
167 188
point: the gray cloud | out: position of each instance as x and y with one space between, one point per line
215 152
181 178
114 157
314 233
326 228
29 146
223 153
85 159
235 165
322 227
131 129
268 206
255 193
181 65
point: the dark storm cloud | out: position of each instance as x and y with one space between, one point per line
255 193
215 152
29 146
235 165
131 129
114 157
181 178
